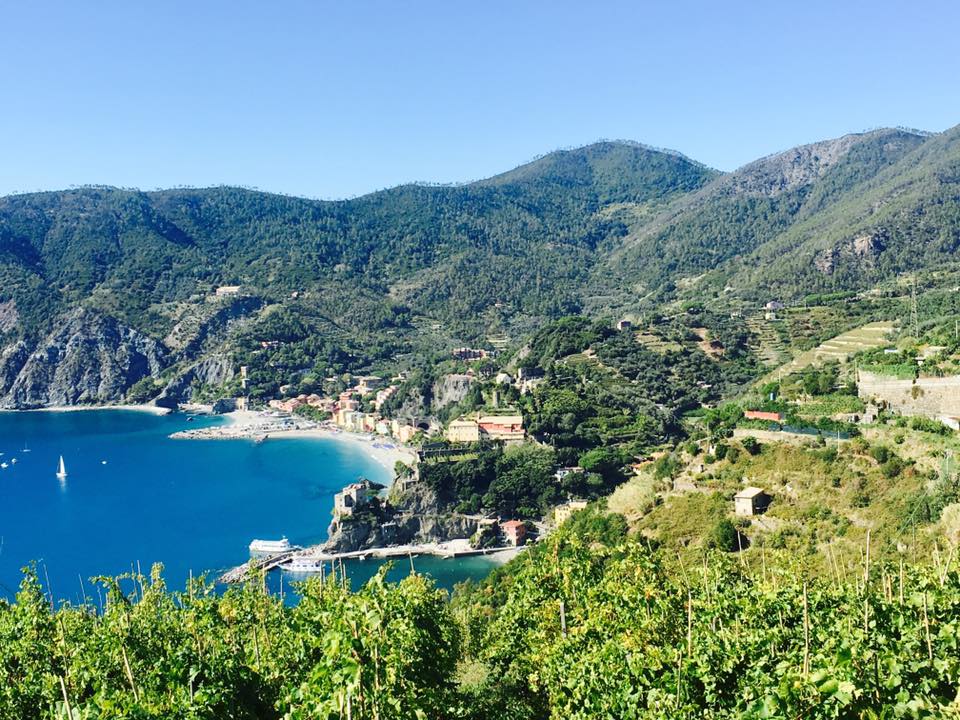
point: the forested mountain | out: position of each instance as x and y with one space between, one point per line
837 215
613 227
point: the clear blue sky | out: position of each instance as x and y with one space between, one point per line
332 99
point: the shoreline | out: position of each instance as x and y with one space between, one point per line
151 409
256 424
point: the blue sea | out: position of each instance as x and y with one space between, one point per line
134 497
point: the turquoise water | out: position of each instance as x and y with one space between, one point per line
133 497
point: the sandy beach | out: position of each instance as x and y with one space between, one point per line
257 424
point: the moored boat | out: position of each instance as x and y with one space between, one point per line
270 547
303 565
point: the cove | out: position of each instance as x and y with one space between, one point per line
133 497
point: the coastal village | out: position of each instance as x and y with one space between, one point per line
355 413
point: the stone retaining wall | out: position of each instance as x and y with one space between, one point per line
929 397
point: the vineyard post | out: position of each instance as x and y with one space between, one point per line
866 588
926 626
901 580
706 588
49 589
866 565
126 665
66 700
563 619
683 568
946 567
806 634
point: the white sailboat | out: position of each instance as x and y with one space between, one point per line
62 470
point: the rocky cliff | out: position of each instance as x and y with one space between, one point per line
88 358
410 516
212 370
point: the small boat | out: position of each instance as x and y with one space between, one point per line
25 448
4 466
62 470
13 461
270 547
303 565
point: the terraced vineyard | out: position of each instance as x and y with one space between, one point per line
768 341
839 348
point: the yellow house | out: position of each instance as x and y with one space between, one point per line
562 513
463 431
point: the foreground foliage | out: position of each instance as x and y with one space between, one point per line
589 624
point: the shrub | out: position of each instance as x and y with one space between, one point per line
724 536
751 445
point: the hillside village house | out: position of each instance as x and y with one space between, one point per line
528 379
751 501
624 325
287 406
507 428
563 472
463 431
503 428
562 513
466 353
227 290
402 431
368 383
514 532
384 395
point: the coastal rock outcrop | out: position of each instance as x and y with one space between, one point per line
410 516
87 358
212 370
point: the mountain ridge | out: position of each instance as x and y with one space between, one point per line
613 227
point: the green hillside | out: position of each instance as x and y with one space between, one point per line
608 230
525 239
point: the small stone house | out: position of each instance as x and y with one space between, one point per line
751 501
